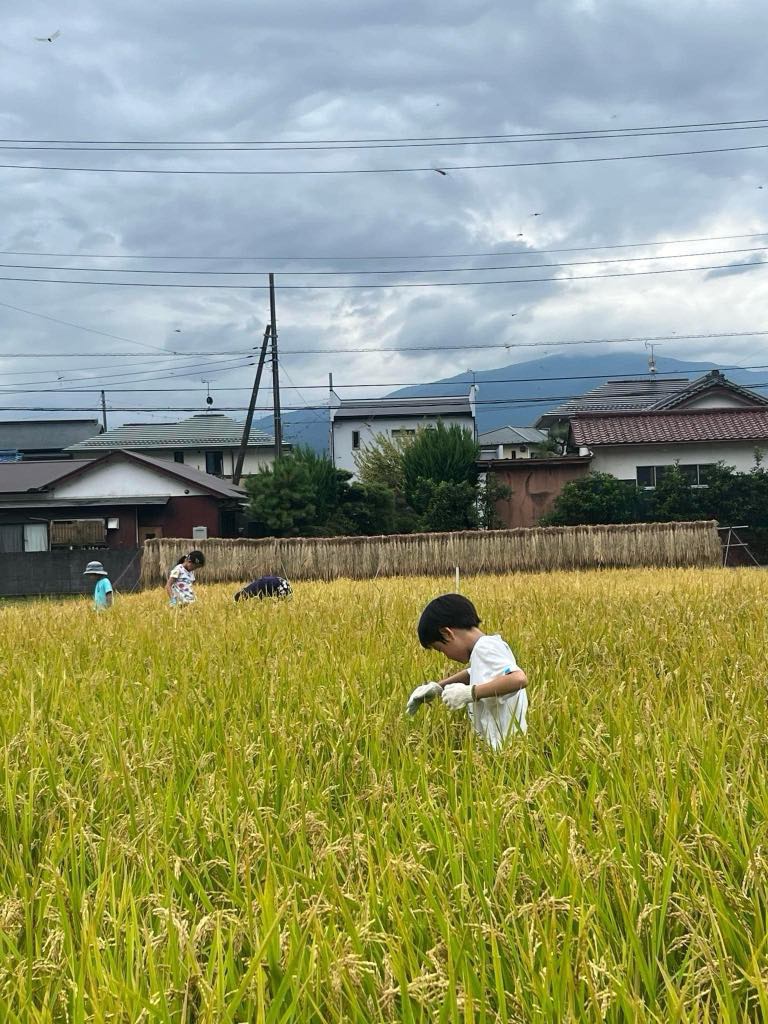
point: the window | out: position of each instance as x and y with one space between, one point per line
35 537
355 439
78 533
651 476
11 538
214 463
178 457
403 432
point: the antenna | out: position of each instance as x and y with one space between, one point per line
651 359
208 399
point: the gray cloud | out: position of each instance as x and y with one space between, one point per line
287 71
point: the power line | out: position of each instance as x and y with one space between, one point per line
375 286
382 170
33 146
81 327
413 256
211 366
757 121
324 407
404 270
474 346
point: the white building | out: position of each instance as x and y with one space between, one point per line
207 442
355 424
510 443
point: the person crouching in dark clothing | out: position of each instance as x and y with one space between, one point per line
265 586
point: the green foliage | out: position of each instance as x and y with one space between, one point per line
304 495
381 462
489 493
363 510
442 505
282 499
441 454
673 499
597 498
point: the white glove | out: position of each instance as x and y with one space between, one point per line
421 695
457 695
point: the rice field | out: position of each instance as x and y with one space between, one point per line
221 814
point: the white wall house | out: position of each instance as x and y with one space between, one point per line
208 442
510 443
355 424
639 447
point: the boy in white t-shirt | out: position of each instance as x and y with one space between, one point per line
493 687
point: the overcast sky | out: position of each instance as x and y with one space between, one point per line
368 69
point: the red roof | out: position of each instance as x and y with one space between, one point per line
671 427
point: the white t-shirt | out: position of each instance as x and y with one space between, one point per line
181 588
494 718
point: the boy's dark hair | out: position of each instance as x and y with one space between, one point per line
197 557
451 611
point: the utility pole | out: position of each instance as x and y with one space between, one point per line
275 371
104 410
238 472
330 419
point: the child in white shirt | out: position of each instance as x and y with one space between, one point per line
493 688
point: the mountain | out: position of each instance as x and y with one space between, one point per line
516 394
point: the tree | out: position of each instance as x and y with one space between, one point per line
489 493
381 461
440 453
304 494
440 478
597 498
673 499
281 500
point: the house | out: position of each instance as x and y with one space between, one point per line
711 390
641 446
42 439
116 500
355 423
635 430
708 420
207 442
510 443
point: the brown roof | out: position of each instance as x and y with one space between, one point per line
23 477
19 477
671 427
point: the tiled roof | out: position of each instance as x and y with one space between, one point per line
19 477
42 435
386 407
618 396
512 435
207 430
25 477
713 381
671 427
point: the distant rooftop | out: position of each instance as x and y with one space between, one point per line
511 435
618 396
706 425
44 435
206 430
26 477
362 409
650 394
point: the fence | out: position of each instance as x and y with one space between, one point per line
29 573
436 554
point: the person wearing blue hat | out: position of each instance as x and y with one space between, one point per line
103 595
